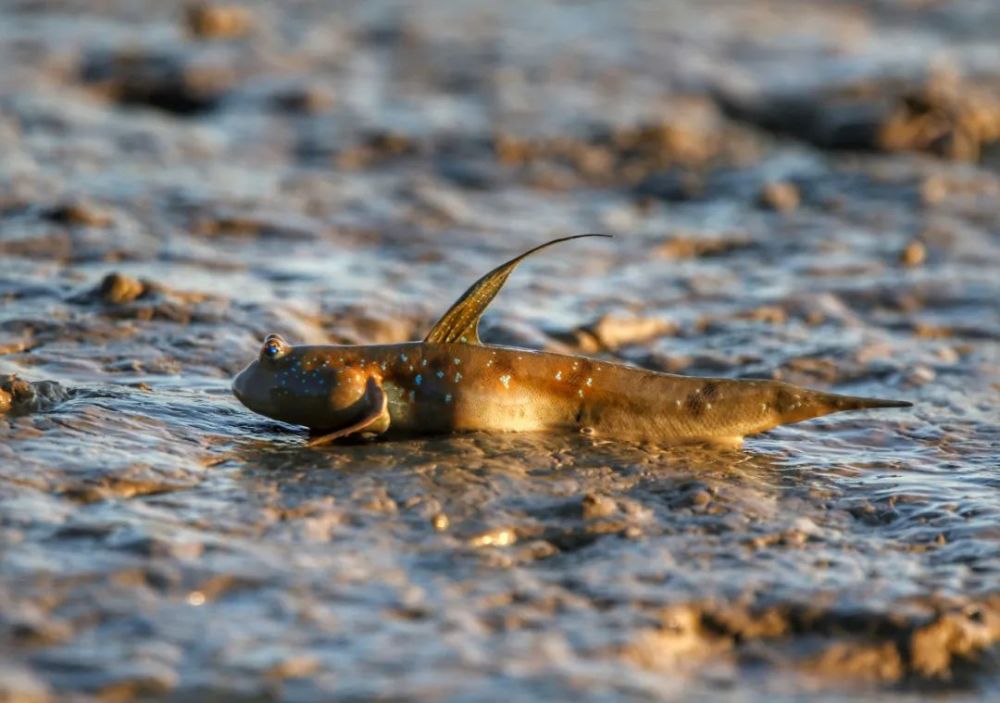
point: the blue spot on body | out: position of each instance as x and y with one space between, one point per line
419 379
447 398
440 374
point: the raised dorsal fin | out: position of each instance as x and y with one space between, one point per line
461 323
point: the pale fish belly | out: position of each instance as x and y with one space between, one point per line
461 410
495 415
517 407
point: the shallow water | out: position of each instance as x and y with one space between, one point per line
341 175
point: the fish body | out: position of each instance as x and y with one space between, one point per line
440 388
451 382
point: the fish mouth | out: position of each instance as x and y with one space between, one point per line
253 388
235 388
240 386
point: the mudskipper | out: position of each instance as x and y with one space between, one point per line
452 382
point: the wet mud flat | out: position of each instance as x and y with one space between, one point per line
799 190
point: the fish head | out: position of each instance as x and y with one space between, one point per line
300 386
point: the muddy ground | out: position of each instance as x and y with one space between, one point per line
799 190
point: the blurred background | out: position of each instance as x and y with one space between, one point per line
802 190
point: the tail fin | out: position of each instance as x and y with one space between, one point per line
798 404
852 402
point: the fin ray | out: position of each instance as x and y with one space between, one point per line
461 323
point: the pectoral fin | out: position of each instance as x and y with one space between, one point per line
461 322
375 418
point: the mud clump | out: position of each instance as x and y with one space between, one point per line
595 506
20 397
207 20
117 288
687 247
612 332
81 213
934 642
175 82
949 118
946 116
225 222
780 196
495 537
913 254
122 483
306 99
124 297
378 147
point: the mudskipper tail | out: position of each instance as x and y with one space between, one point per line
795 405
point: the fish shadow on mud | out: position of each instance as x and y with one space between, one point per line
555 479
527 454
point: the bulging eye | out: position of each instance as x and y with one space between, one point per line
274 347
